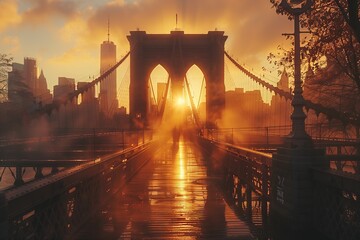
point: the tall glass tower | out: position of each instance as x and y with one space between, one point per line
108 93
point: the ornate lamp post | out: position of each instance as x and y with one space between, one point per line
291 180
298 136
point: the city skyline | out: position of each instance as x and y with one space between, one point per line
64 36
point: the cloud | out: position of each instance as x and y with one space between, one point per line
8 14
40 11
252 25
12 43
71 31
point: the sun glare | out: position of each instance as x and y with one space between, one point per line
180 101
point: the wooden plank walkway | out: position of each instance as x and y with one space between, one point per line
172 197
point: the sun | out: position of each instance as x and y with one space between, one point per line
180 101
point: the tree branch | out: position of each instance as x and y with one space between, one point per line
351 16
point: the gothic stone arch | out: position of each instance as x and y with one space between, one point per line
177 52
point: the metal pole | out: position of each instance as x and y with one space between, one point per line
39 173
123 138
264 182
143 136
298 137
19 176
232 135
4 220
267 137
94 143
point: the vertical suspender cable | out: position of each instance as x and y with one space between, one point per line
194 111
201 90
163 103
152 91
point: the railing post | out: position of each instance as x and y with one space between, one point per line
123 138
357 168
264 191
18 177
39 173
338 163
54 170
248 190
137 137
94 143
143 135
267 137
238 192
292 191
4 225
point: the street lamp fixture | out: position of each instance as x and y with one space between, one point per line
298 137
296 7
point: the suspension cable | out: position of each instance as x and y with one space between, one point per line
330 113
48 108
192 104
152 90
201 90
163 103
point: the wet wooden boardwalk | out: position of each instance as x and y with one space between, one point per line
172 197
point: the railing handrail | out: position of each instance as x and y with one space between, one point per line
55 183
53 137
42 163
246 152
340 180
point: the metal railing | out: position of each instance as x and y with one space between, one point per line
55 207
24 160
245 175
342 153
335 199
336 204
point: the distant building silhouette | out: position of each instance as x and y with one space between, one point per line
30 74
65 81
88 108
89 95
25 86
16 84
64 87
280 108
108 90
42 93
244 108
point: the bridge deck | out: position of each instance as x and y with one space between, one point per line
171 198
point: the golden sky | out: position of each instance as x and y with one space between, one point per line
65 35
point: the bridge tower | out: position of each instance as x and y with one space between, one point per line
176 52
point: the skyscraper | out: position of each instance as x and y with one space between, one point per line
65 86
16 83
108 95
24 85
42 93
30 74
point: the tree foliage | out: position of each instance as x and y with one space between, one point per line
335 36
5 67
